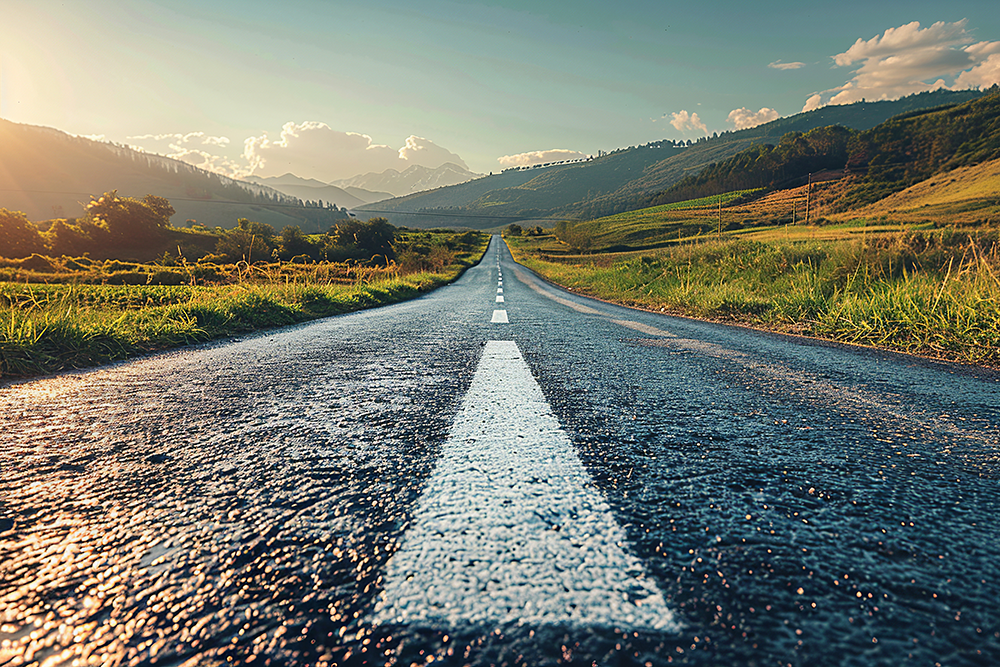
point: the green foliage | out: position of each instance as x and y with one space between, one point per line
767 166
248 242
512 229
294 244
368 241
18 237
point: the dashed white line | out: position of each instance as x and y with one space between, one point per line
499 299
499 317
510 528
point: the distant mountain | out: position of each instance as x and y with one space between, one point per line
624 179
49 174
368 196
413 179
309 190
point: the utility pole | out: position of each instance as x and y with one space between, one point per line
720 217
809 188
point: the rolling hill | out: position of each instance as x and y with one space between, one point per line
624 179
49 174
309 189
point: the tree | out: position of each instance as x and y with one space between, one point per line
363 240
294 243
513 229
249 241
129 220
18 237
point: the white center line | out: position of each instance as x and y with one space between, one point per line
499 299
510 528
499 317
499 290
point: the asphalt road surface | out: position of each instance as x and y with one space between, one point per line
502 472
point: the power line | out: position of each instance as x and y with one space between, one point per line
302 206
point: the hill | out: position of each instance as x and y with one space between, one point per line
938 167
46 174
415 178
624 179
311 190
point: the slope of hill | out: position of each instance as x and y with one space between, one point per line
623 179
48 174
308 189
965 195
940 166
416 178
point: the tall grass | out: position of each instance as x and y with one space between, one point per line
936 294
51 327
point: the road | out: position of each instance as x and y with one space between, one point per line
503 472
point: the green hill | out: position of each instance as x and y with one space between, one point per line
47 174
624 179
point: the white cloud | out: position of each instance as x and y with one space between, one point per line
685 122
743 118
315 150
910 59
310 150
220 164
425 152
814 102
777 64
539 157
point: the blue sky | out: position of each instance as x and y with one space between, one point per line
332 89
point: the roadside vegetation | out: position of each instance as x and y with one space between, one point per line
927 291
886 237
62 312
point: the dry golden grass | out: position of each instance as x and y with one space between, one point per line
967 195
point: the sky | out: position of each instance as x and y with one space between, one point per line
329 90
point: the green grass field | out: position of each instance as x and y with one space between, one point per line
47 327
929 292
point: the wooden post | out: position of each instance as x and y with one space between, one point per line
720 217
809 188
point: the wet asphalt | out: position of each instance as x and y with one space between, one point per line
796 502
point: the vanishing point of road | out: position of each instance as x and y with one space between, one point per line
503 473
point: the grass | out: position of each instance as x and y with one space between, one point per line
929 292
52 327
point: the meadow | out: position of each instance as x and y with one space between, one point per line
65 313
909 288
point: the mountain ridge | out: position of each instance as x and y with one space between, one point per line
46 173
617 181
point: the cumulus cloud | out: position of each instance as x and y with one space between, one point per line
315 150
910 59
685 122
220 164
814 102
743 118
539 157
309 150
777 64
177 138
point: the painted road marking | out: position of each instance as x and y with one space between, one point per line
499 299
500 317
644 328
510 528
499 290
537 285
